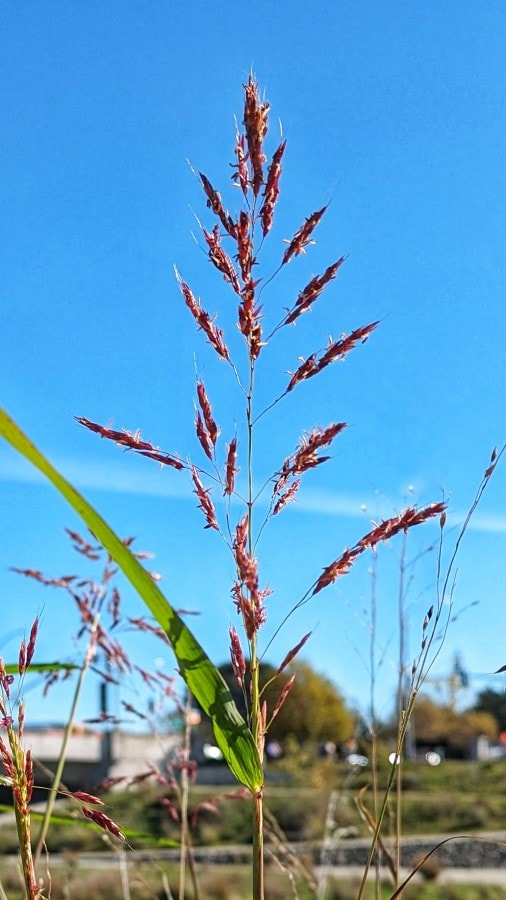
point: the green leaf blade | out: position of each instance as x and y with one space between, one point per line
203 679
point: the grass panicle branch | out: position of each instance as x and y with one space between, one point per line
132 441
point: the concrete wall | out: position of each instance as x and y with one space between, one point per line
93 757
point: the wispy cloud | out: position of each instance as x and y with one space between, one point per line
153 482
99 476
492 523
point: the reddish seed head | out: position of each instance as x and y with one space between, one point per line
244 256
312 291
293 653
287 497
5 680
113 605
83 797
339 567
7 760
271 192
282 697
103 821
28 775
251 609
211 426
241 176
231 469
21 719
246 564
405 520
205 502
205 806
142 625
132 442
214 203
382 532
63 582
22 658
30 650
302 239
171 809
219 258
306 369
306 457
427 619
237 657
81 545
336 350
255 124
203 319
203 436
249 318
339 349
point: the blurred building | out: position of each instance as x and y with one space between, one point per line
95 756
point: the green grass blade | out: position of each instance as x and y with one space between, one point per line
72 822
13 668
203 679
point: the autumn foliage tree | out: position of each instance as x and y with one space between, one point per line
494 703
314 709
454 731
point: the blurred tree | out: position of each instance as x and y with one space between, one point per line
314 710
455 731
493 702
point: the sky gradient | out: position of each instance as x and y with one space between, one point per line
395 115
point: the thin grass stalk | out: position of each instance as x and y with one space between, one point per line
421 667
53 792
25 848
123 869
186 854
326 846
166 887
258 847
256 718
374 721
400 704
386 796
184 816
258 824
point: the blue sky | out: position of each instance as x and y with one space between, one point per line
393 112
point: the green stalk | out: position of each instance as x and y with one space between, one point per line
257 724
53 793
186 858
258 822
123 869
25 849
21 790
400 706
403 726
374 729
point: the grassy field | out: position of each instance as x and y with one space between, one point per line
148 881
454 797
